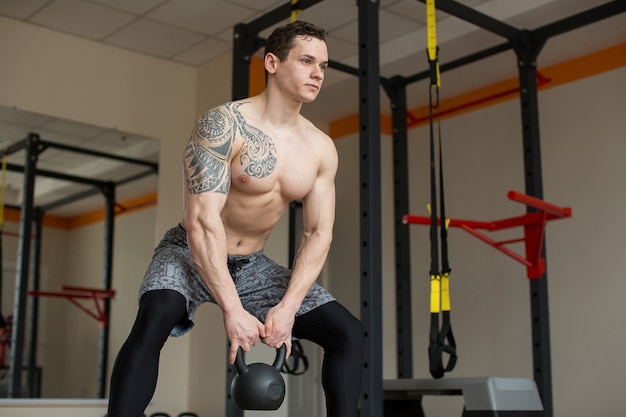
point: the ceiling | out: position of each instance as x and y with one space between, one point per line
193 32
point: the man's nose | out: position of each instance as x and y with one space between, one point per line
317 73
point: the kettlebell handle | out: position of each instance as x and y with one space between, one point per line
279 361
281 354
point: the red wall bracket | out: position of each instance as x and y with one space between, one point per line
534 224
74 294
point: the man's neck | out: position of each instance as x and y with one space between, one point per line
278 110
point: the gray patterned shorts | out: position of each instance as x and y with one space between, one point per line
260 282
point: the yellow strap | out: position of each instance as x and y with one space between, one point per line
439 286
432 35
432 31
435 293
295 9
445 292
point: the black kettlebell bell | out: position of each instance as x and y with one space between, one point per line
259 386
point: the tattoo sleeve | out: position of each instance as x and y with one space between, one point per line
207 154
258 156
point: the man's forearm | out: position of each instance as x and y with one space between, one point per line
307 267
209 255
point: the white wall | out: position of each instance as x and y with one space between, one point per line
584 167
59 75
48 72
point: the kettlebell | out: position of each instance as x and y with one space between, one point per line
259 386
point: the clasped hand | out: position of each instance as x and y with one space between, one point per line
244 330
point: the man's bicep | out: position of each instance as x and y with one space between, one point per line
319 207
208 153
319 204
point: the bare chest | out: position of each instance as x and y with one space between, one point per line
270 167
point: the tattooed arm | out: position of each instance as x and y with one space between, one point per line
207 159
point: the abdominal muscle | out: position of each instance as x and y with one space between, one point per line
255 205
249 219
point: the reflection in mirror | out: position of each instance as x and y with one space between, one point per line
76 273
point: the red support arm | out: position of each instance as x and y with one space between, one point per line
73 294
540 204
534 224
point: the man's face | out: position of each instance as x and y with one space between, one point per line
302 73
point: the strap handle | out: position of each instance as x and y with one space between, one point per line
297 356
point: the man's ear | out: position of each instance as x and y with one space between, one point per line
271 62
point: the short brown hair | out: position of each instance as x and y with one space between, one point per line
280 42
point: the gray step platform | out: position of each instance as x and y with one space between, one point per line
483 397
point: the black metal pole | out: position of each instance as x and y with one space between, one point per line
293 229
242 52
34 306
241 61
107 283
23 260
370 207
396 90
527 49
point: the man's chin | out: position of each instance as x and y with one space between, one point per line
309 98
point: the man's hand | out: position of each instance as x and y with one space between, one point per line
242 329
278 325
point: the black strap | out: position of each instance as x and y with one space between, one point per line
297 356
440 297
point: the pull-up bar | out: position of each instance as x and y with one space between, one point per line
73 294
534 224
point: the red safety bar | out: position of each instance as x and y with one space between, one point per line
73 294
534 224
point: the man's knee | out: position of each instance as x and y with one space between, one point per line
356 333
160 309
349 327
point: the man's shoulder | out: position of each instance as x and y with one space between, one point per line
214 114
322 142
312 130
226 107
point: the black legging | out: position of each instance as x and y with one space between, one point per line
341 336
134 376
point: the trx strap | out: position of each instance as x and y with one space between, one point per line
439 280
295 9
297 355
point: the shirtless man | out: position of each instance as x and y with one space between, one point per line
244 163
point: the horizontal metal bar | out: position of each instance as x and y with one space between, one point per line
477 56
83 194
475 17
580 19
57 175
99 154
17 146
343 67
